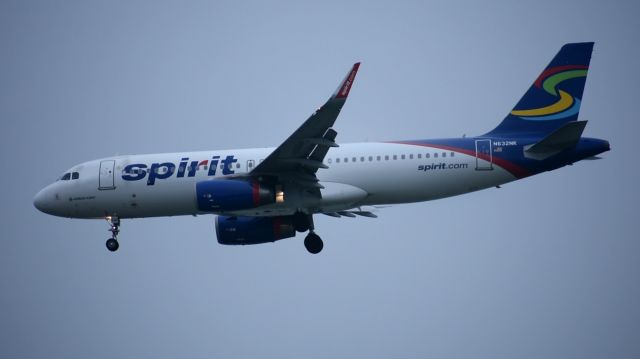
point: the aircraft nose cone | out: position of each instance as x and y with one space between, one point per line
40 201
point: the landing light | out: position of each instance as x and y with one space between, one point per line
279 194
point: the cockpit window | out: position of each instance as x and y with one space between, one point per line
75 175
66 177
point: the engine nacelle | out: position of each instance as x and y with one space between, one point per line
253 230
232 195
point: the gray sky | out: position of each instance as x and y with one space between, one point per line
546 267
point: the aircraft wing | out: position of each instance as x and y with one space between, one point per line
300 156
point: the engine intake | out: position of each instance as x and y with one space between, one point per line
253 230
232 195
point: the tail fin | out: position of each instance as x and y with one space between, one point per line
554 98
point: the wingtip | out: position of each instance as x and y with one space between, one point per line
345 86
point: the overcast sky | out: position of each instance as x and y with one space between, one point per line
546 267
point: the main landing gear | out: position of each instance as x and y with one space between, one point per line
313 243
304 222
112 243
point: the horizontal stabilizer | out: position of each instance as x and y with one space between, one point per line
559 140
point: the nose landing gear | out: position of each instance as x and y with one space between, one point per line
112 243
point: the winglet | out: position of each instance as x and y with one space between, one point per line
345 86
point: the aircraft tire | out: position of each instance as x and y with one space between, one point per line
112 244
313 243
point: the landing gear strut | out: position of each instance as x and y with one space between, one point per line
302 222
112 243
312 242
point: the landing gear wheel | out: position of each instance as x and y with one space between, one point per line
114 223
112 244
313 243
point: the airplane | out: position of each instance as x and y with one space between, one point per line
265 195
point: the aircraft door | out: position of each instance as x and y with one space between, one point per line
106 179
484 157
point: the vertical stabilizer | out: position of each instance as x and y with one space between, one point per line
554 97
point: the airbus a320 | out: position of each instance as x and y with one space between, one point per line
265 195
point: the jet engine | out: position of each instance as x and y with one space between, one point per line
232 195
253 230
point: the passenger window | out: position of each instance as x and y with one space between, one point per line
395 157
427 155
75 175
354 159
410 157
378 158
435 155
337 160
452 154
419 155
386 157
402 157
370 158
346 159
444 154
237 165
329 160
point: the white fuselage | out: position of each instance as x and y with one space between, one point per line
359 174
